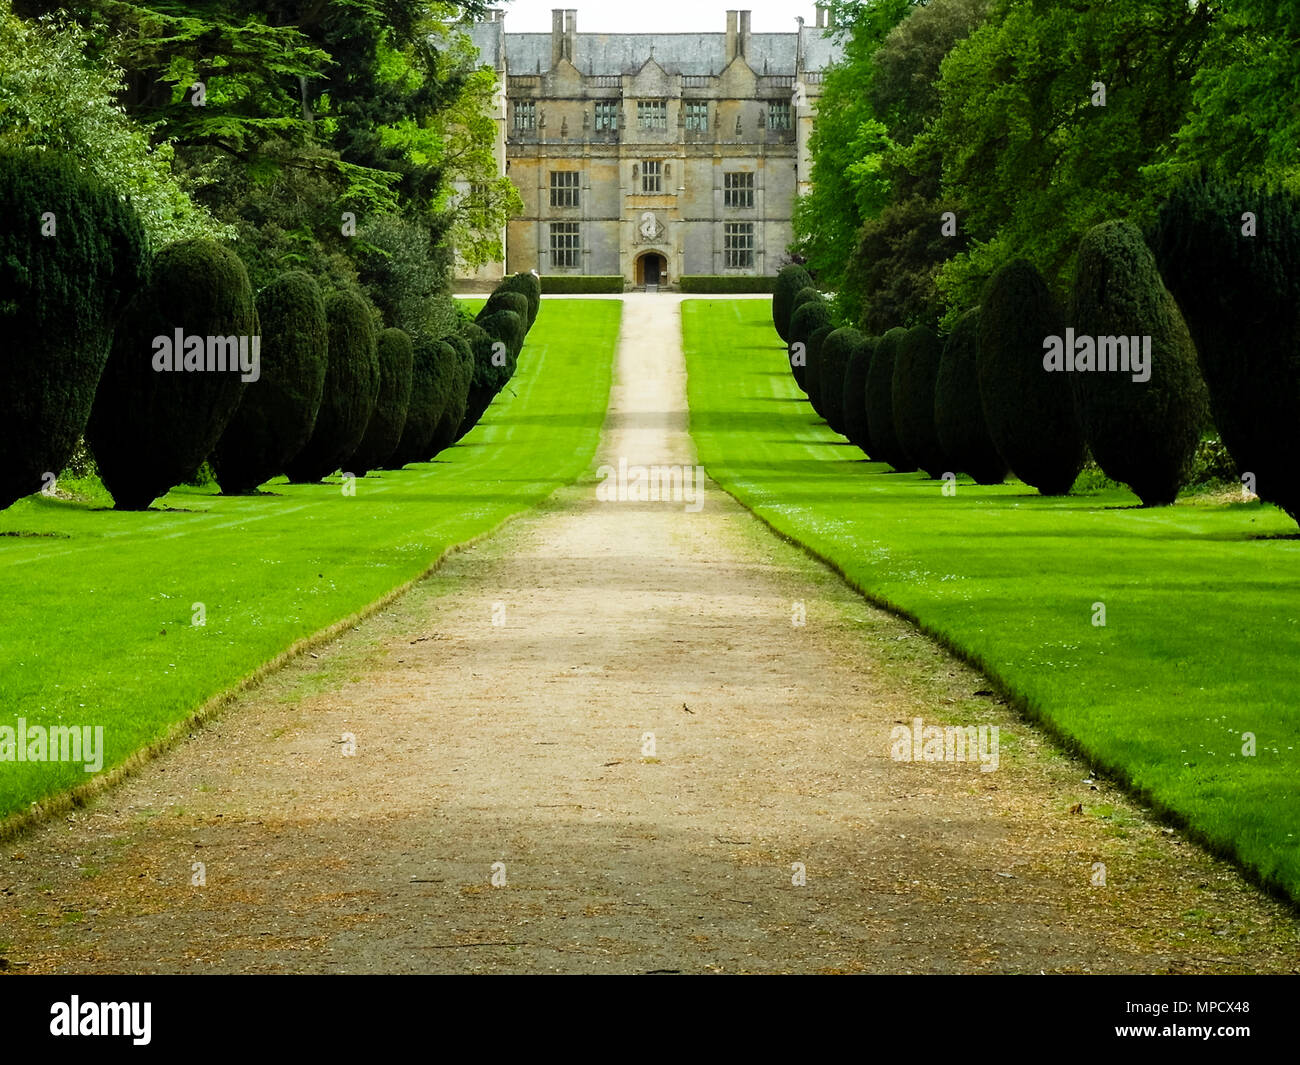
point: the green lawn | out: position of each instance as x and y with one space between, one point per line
1202 635
96 606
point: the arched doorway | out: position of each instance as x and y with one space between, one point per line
652 270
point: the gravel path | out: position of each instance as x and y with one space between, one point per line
500 714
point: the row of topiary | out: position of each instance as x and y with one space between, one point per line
168 361
982 401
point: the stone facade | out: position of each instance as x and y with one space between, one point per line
652 156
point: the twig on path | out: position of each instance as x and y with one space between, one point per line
736 842
687 709
457 946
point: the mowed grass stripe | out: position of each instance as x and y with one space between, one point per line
1202 634
95 629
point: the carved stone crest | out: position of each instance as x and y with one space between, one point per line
649 228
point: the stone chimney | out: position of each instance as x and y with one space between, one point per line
737 34
825 20
564 35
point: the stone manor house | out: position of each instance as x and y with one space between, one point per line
653 155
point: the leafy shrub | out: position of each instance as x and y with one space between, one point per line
401 276
351 389
151 428
1029 412
958 412
856 427
278 412
886 446
1212 465
60 296
1141 433
1239 295
396 357
916 369
791 281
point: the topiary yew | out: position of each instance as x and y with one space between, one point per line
1141 433
351 389
453 414
856 427
278 412
1029 411
886 446
836 351
789 283
176 373
916 367
958 412
810 314
530 287
431 373
396 357
72 253
1237 281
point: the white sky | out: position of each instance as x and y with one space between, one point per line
657 16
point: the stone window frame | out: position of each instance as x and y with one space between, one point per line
566 186
652 115
652 177
525 116
607 116
697 115
737 193
779 115
738 245
566 245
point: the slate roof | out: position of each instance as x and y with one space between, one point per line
677 53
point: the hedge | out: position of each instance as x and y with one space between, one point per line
722 284
596 284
